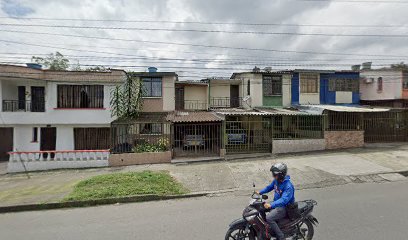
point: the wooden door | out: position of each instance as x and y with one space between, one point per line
179 98
48 140
37 99
234 96
6 143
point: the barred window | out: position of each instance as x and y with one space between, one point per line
309 83
344 84
80 96
91 138
152 87
272 85
151 128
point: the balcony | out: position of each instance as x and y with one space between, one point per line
195 105
226 102
23 106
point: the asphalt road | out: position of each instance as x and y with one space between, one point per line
359 211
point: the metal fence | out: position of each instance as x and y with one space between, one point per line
225 102
23 106
389 126
248 136
298 126
344 121
197 139
140 137
191 105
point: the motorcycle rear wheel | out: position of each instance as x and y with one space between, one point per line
238 233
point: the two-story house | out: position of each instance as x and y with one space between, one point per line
44 110
265 88
384 87
311 87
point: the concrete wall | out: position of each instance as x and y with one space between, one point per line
22 163
298 145
392 85
286 90
52 114
309 98
344 139
126 159
197 95
65 136
344 97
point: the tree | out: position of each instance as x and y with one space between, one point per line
126 100
96 69
399 66
53 61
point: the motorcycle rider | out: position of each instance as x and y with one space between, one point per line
284 194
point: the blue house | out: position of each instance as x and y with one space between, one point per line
325 87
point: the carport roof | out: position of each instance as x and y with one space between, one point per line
193 116
340 108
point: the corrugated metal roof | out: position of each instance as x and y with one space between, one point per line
339 108
285 111
240 111
199 116
146 117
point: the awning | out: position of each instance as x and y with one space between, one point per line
339 108
199 116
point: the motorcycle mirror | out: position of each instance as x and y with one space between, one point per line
253 185
264 197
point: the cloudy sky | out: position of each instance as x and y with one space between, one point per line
199 38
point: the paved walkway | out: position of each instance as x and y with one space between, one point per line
374 163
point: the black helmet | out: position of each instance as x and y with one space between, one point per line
280 170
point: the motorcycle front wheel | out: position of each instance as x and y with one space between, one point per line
238 233
306 230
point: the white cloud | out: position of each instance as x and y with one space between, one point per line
234 11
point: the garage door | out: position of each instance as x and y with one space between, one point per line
6 143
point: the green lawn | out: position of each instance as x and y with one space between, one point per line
126 184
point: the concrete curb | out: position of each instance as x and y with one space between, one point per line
96 202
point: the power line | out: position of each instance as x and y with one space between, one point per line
197 45
355 1
201 31
205 22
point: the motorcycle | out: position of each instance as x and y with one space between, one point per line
253 224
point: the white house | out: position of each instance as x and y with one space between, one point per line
51 114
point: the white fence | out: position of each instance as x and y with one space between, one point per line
48 160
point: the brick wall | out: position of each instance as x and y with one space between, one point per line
344 139
126 159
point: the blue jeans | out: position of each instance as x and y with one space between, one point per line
272 217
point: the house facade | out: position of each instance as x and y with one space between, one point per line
384 87
325 87
44 110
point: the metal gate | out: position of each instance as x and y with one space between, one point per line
197 139
386 126
248 137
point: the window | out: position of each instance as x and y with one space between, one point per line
309 83
91 138
152 87
80 96
380 84
405 81
344 84
151 128
272 85
35 135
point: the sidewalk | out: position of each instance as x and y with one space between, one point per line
374 163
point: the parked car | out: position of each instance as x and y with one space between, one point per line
193 141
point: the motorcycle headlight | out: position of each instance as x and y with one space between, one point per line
250 218
249 214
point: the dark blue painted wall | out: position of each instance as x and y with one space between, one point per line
295 89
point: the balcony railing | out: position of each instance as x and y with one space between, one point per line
23 106
225 102
191 105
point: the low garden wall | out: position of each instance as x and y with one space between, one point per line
297 145
344 139
125 159
49 160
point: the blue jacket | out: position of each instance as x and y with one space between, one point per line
284 192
